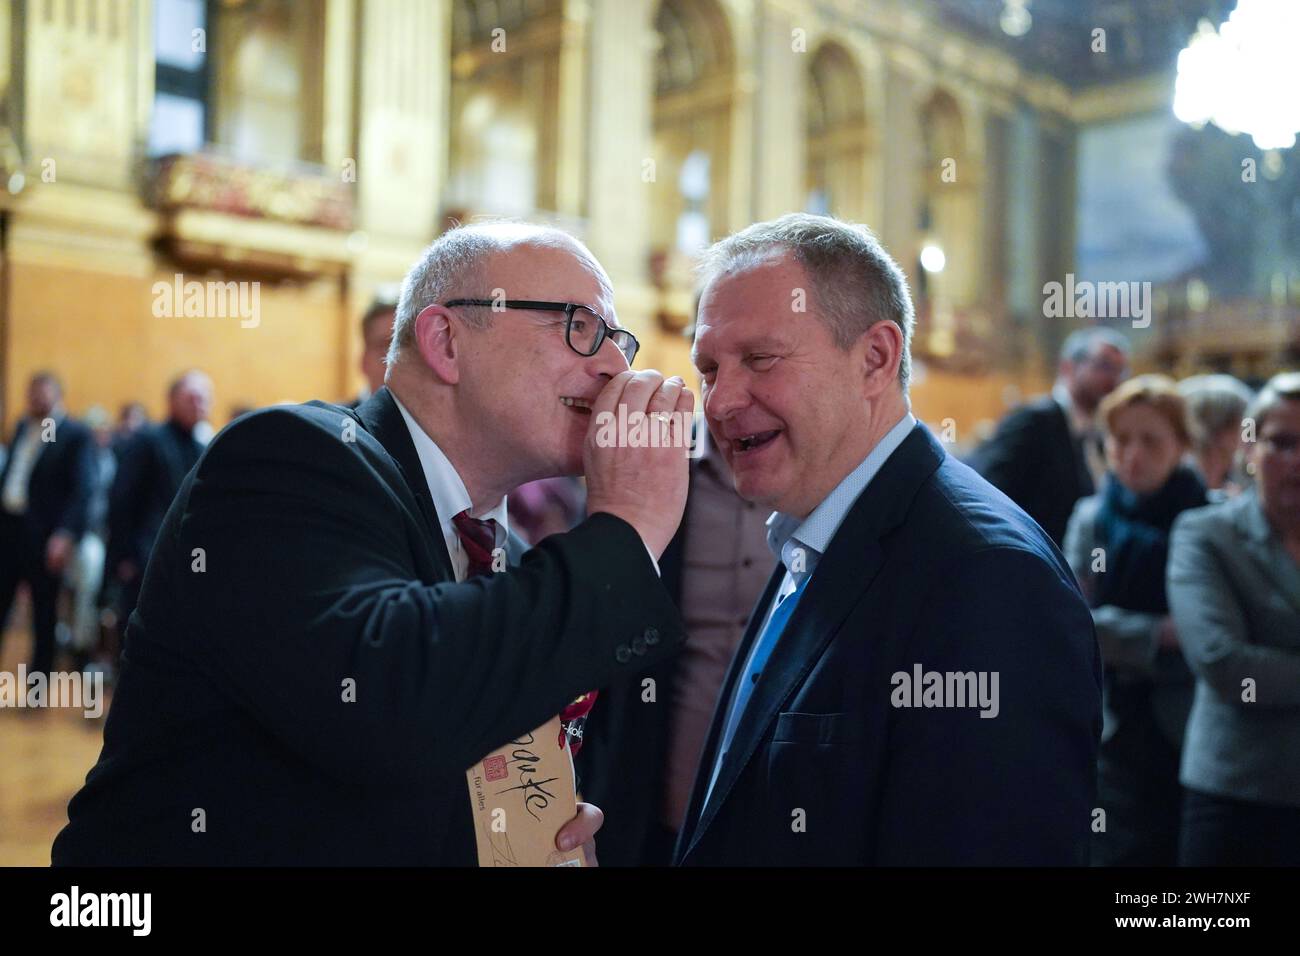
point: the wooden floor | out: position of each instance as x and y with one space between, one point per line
44 756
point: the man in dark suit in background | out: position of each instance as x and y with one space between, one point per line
335 623
150 468
1047 454
920 682
45 488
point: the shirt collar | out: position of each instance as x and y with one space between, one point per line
799 544
450 496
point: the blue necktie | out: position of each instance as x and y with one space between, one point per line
763 648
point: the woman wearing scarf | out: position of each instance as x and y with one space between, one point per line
1118 545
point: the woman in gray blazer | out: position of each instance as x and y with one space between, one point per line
1117 543
1234 590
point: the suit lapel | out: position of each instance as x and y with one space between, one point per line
841 579
708 755
1262 545
382 418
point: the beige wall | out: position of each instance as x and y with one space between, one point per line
83 253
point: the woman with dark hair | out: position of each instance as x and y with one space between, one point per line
1118 545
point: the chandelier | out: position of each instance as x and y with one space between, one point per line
1244 77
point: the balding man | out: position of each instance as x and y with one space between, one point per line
336 623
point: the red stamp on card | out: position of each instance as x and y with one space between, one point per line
494 767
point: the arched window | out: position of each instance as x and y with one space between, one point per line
692 114
504 93
837 136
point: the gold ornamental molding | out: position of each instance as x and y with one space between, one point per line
218 212
221 240
80 227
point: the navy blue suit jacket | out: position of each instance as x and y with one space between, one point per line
60 485
931 566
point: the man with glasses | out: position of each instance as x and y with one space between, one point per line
336 622
1046 454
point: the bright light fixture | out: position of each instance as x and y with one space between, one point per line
933 259
1244 76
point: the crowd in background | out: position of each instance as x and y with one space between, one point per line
83 501
1177 504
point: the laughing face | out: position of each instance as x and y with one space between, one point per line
785 405
529 393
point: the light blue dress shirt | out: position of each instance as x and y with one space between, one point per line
800 545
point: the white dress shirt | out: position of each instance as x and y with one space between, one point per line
25 453
450 497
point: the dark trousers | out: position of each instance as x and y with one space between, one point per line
1221 831
1137 787
22 558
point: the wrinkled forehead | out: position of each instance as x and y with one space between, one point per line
558 272
750 304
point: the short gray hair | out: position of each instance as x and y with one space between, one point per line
855 283
454 266
1282 387
1215 403
1081 343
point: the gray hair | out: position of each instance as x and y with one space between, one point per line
1081 343
855 283
1284 386
1215 403
455 267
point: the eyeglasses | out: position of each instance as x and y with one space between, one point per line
584 328
1282 444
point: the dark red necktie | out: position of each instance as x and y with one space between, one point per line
479 538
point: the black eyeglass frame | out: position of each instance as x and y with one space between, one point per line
603 330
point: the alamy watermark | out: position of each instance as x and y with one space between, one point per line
1098 300
948 689
650 430
75 908
54 690
210 299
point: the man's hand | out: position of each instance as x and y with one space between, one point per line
581 831
645 486
57 552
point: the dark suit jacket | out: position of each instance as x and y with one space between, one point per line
60 484
324 563
931 566
1034 460
150 468
621 766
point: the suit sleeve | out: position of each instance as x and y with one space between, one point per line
72 519
1212 628
309 611
125 500
1005 459
1015 787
